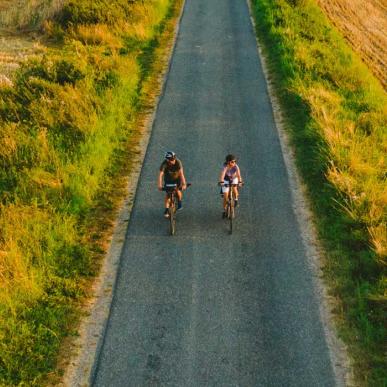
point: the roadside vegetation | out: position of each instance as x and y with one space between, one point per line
69 125
335 111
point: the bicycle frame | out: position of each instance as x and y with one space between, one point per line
171 190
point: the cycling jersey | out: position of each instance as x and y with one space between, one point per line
171 171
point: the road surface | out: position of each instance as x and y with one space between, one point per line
204 308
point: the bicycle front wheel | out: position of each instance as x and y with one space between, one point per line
230 215
172 220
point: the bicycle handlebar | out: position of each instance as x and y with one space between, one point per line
171 187
223 184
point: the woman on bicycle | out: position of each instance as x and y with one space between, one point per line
230 174
171 172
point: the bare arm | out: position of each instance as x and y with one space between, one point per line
221 177
182 177
239 175
160 180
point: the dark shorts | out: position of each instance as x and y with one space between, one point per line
177 182
170 181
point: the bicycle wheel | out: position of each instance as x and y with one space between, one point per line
230 215
172 219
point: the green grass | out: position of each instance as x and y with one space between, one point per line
335 112
69 129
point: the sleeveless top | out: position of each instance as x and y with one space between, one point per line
230 173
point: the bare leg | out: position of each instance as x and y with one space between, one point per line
179 195
236 193
166 201
225 198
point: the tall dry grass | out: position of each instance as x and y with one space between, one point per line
357 150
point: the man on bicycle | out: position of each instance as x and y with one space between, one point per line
230 174
171 171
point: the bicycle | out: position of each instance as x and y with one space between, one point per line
230 206
171 190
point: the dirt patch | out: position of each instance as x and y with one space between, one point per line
20 32
364 25
14 49
27 14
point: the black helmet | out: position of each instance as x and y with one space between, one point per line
170 155
230 157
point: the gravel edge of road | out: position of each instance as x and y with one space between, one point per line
86 347
314 251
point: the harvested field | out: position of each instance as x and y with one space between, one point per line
14 49
20 21
27 14
364 25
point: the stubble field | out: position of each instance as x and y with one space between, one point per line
364 25
20 25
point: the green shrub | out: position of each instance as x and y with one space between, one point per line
93 12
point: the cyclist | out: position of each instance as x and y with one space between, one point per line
230 174
171 171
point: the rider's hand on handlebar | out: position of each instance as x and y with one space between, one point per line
220 182
160 187
184 187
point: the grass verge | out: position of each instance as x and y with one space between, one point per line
335 112
69 129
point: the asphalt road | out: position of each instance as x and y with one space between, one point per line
204 308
